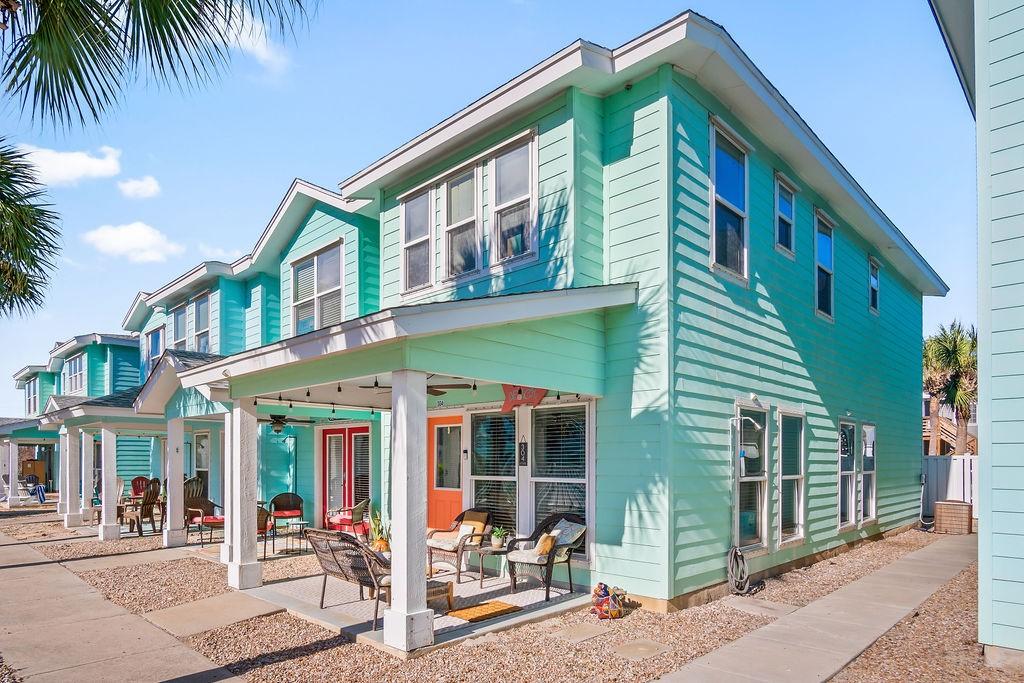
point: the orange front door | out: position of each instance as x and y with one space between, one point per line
444 470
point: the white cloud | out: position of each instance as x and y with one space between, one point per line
219 253
137 242
67 168
139 188
250 37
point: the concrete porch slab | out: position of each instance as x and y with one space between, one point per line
210 613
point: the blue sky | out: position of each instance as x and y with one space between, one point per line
871 78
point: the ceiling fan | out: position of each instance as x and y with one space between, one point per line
432 389
279 422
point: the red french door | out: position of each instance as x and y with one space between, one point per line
345 466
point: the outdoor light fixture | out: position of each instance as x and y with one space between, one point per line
376 385
278 397
255 402
474 387
371 410
339 387
307 393
332 409
558 396
289 404
519 392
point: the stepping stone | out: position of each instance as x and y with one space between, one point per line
486 639
764 608
578 633
640 649
210 613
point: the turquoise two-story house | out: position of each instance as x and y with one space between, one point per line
630 283
986 42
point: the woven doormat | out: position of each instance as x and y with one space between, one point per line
484 611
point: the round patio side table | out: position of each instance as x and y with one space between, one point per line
296 537
487 549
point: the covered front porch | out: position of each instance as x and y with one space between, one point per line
19 478
484 403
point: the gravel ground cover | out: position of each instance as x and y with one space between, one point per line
296 567
81 549
800 587
938 642
147 587
7 674
37 531
283 648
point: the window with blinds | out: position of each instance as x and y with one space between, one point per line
317 291
493 466
360 468
791 438
559 463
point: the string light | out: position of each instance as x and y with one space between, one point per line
332 409
577 397
558 396
279 398
376 385
307 393
474 387
289 404
339 387
371 410
519 392
255 402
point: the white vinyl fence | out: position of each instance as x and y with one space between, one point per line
949 477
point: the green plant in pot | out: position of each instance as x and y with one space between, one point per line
380 533
498 536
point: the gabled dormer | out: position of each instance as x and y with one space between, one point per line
37 385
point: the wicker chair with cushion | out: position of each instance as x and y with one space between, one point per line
265 528
551 543
470 528
345 557
146 508
352 520
202 512
285 506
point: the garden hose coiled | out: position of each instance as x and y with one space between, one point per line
739 575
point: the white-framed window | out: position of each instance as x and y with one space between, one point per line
202 460
317 290
847 473
513 209
729 237
74 374
492 466
179 327
785 215
461 228
791 477
868 482
32 396
416 213
751 492
448 457
559 462
201 311
873 284
823 250
154 347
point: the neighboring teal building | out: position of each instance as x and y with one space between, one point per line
649 242
986 42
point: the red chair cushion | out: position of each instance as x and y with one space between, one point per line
209 519
344 523
287 513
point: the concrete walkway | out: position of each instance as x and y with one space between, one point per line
61 629
815 642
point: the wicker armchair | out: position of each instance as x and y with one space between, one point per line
570 534
344 557
265 528
448 544
146 508
202 512
352 520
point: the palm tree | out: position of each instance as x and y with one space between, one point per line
69 62
955 351
934 382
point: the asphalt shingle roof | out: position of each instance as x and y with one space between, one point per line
62 401
192 359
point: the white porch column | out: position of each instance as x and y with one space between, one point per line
175 532
71 444
229 517
244 570
88 475
62 473
13 499
110 528
408 624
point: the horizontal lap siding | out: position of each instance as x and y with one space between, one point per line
230 323
124 364
96 380
632 488
730 341
587 190
1000 114
255 303
278 465
133 457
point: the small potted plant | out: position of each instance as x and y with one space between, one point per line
380 535
498 536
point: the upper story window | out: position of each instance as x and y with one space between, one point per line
202 326
461 241
729 217
74 374
32 396
784 214
154 347
873 284
316 291
513 203
178 319
416 241
823 269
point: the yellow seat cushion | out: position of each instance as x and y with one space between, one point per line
545 544
478 520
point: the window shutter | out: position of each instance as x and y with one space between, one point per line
303 283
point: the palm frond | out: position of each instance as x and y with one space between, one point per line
29 235
951 359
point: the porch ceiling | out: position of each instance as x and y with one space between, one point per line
553 340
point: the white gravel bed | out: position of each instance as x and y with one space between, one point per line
147 587
37 531
280 568
283 648
938 642
800 587
81 549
